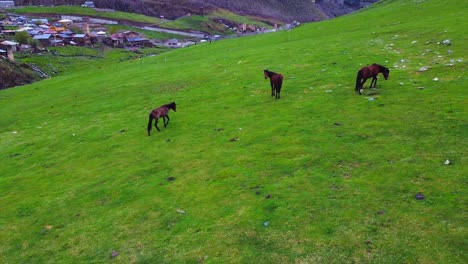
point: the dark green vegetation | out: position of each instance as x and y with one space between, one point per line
320 176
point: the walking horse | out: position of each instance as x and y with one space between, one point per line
162 111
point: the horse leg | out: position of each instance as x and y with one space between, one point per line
361 87
272 88
150 125
156 124
166 123
373 82
278 91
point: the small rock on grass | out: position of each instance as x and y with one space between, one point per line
114 254
419 196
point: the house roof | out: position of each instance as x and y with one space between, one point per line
64 35
138 39
79 36
43 36
33 32
9 43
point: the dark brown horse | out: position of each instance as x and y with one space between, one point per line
162 111
276 81
370 72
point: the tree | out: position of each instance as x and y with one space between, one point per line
35 45
22 37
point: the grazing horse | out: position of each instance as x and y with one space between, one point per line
162 111
276 80
370 72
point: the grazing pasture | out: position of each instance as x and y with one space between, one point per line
321 176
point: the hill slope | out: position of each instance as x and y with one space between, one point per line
321 175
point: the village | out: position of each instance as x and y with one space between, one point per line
39 33
75 31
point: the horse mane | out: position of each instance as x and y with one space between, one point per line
270 73
170 105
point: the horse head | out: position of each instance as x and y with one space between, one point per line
385 72
265 74
173 106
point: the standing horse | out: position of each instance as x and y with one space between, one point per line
276 81
370 72
162 111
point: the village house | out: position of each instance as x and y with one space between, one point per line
44 39
97 37
65 38
35 32
138 41
130 38
114 41
130 34
81 39
10 47
57 42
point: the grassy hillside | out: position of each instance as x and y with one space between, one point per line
210 22
207 23
320 176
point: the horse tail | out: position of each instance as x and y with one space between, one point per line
278 84
358 80
280 81
150 123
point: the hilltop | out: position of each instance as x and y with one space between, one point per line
321 175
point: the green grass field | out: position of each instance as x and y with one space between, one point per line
320 176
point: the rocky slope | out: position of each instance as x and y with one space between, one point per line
13 75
